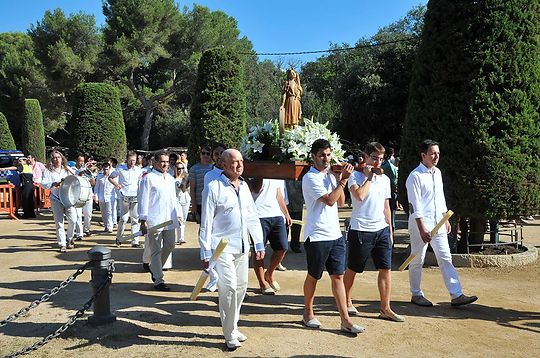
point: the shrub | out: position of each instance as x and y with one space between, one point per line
32 132
6 139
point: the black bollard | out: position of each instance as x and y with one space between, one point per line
100 257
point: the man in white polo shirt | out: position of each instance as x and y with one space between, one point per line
323 240
230 213
274 216
427 206
127 184
370 233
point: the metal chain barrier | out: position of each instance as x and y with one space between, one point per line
72 319
45 297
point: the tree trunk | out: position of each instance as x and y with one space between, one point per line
147 126
478 229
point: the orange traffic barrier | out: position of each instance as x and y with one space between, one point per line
6 200
42 197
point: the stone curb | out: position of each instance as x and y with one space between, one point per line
479 261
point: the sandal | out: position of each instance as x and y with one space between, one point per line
63 249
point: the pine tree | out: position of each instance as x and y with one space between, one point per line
97 124
476 89
218 113
32 132
6 139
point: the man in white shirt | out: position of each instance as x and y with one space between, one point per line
127 184
104 195
216 171
370 232
323 240
84 213
269 196
427 206
157 204
230 213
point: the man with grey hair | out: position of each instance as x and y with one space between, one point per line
228 212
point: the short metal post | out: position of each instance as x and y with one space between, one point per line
100 257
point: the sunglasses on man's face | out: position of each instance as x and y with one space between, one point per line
205 153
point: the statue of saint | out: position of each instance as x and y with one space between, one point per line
290 110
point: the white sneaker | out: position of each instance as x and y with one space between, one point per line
233 344
241 337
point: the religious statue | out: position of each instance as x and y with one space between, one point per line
290 110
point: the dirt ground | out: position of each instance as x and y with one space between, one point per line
505 321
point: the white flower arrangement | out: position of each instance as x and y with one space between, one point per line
259 135
297 142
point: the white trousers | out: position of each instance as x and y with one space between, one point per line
147 254
180 236
58 214
232 270
161 245
106 214
128 210
439 243
84 218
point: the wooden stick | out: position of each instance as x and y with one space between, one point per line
445 218
150 229
204 275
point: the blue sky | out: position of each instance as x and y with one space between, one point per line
271 25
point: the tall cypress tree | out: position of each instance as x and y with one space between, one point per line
97 123
32 132
6 139
218 113
476 89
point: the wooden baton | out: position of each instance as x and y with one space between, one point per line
150 229
445 218
204 275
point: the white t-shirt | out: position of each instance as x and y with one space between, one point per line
368 215
266 201
322 221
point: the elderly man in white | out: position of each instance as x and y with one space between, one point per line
427 206
127 184
158 204
228 212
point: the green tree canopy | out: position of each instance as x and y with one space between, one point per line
97 124
218 113
476 89
33 134
6 139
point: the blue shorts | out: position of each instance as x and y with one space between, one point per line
275 231
325 254
362 244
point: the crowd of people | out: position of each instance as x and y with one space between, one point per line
155 195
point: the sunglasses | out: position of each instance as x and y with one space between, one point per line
180 168
205 153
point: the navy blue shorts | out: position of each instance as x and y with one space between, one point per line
325 254
275 232
362 244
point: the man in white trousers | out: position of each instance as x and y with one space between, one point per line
84 213
104 195
157 204
228 212
127 184
427 206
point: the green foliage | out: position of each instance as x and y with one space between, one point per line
218 113
6 139
363 92
97 125
172 128
476 89
33 135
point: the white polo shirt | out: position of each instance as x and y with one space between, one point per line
426 197
128 179
322 221
266 200
368 214
212 175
